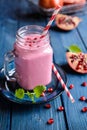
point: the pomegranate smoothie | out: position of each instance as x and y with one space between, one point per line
33 58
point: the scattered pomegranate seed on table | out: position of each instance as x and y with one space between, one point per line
50 90
84 109
84 84
50 121
61 108
71 86
82 98
47 106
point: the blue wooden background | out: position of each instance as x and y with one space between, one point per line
13 15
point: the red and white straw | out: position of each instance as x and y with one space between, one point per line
62 83
57 9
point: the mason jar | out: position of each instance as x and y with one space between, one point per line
32 57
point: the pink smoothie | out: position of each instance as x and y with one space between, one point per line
33 61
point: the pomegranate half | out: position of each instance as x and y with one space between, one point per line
66 22
77 61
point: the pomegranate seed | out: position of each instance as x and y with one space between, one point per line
35 38
80 63
30 44
71 86
61 108
43 94
82 98
85 66
47 106
72 61
84 109
50 90
78 67
84 84
50 121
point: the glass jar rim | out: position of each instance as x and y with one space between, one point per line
26 28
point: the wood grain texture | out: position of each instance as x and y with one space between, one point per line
35 117
75 118
14 15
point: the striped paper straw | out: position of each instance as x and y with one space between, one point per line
57 9
62 83
53 66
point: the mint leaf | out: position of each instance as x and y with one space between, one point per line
38 90
74 48
19 93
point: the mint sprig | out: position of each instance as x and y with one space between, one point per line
74 48
37 91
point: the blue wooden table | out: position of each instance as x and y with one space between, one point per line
13 15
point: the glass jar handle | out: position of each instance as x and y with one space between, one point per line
9 66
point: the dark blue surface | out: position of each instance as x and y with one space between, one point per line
17 13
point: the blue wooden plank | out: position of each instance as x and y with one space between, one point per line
75 118
79 91
7 35
4 107
73 111
13 9
35 117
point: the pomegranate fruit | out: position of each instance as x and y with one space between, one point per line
50 3
77 61
66 22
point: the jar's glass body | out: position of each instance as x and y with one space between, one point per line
33 57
